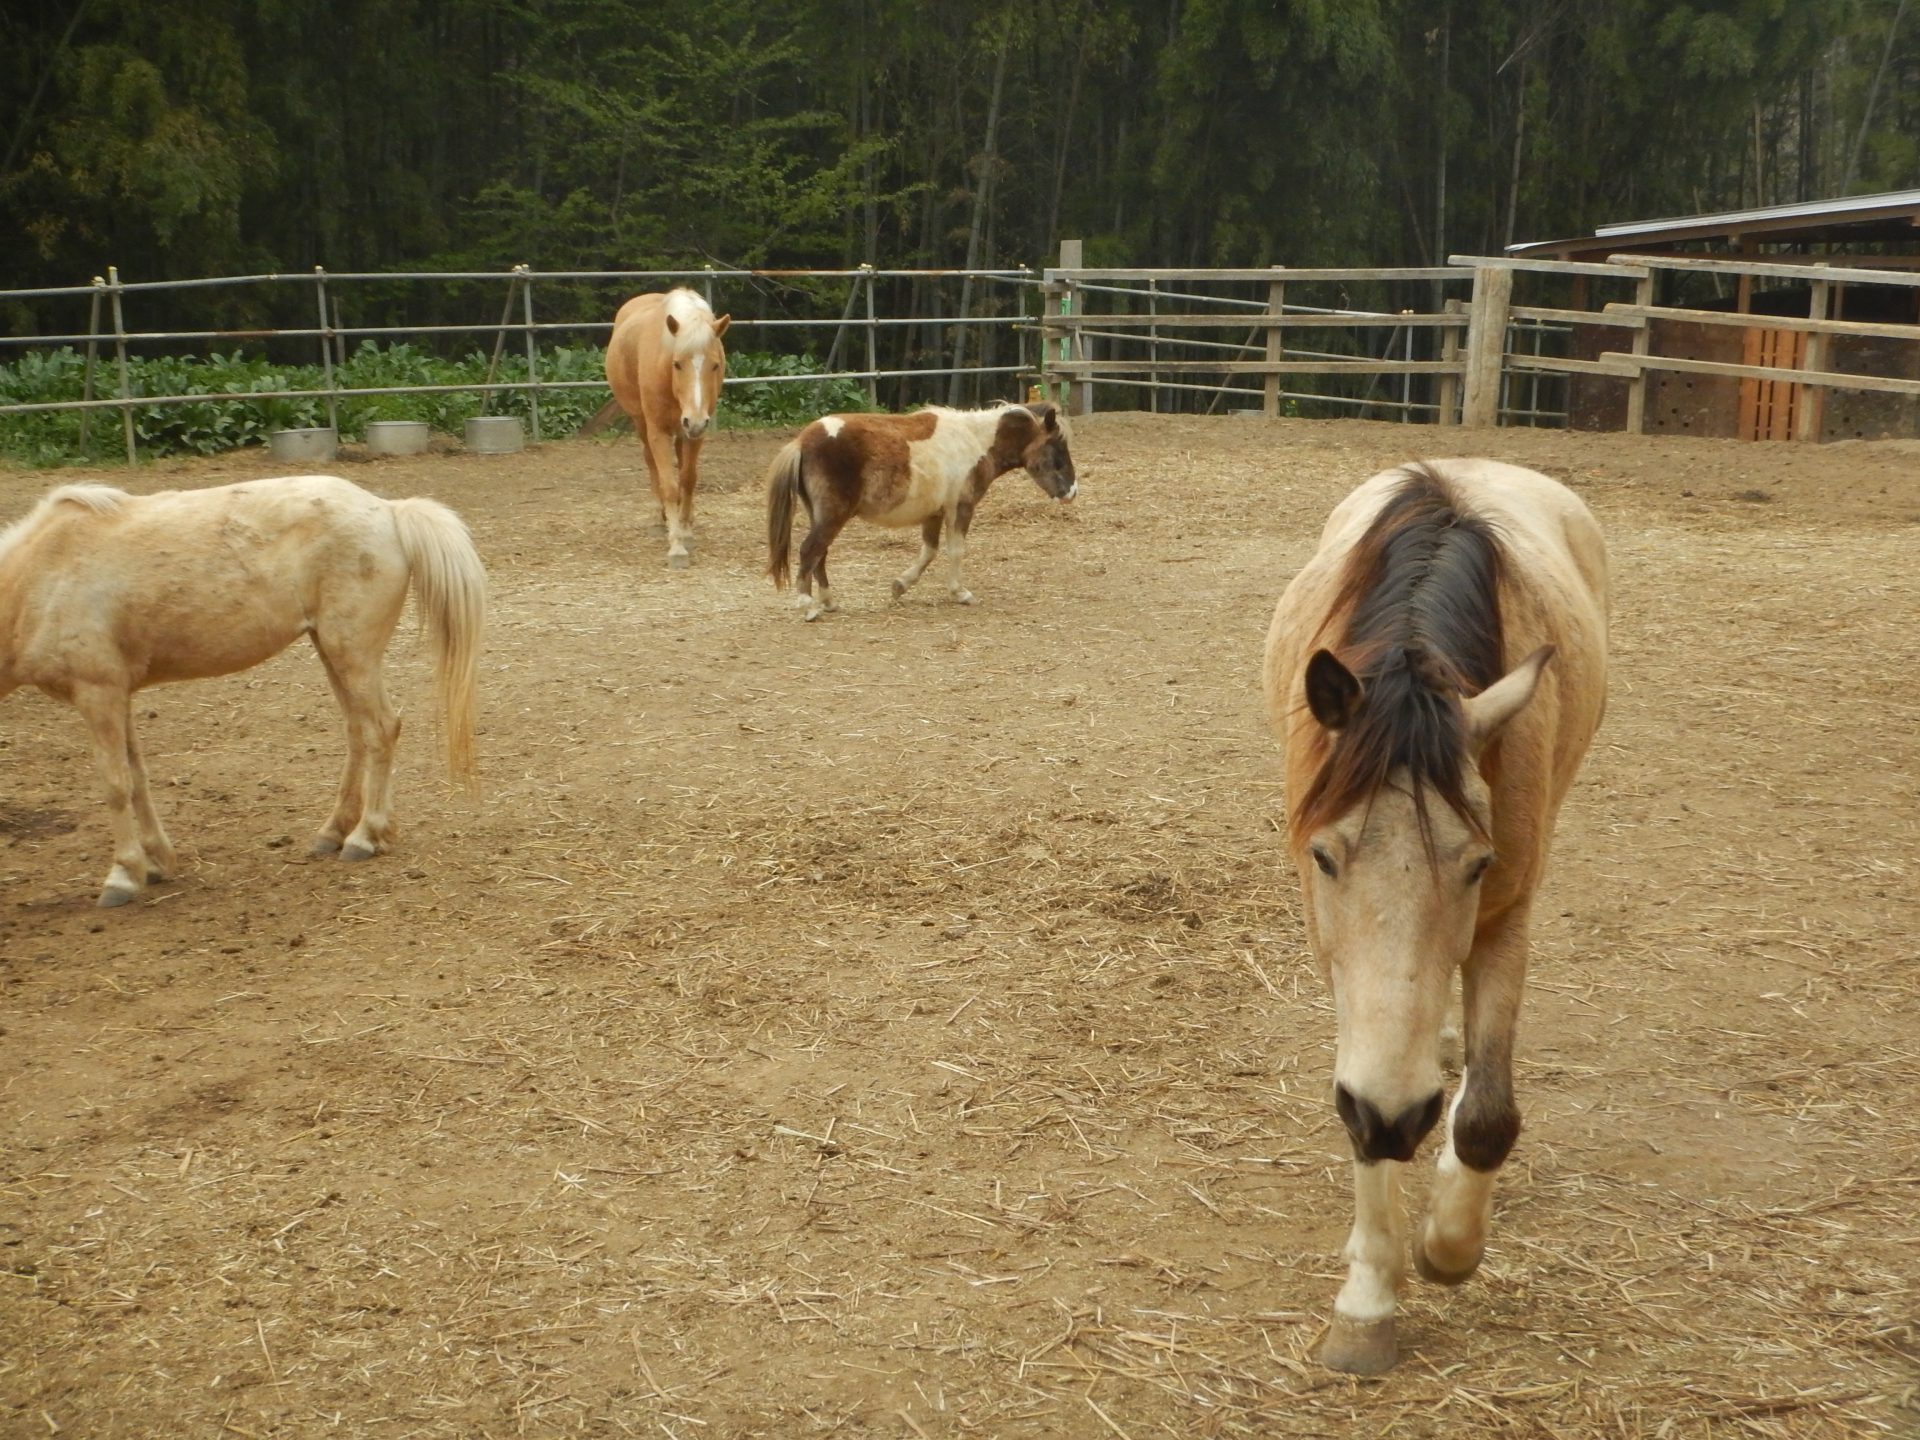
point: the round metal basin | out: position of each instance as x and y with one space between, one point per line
496 434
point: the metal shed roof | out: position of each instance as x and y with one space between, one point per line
1892 216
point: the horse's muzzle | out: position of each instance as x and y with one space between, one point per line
693 429
1375 1137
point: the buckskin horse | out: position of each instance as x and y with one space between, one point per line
666 364
104 593
1434 673
930 468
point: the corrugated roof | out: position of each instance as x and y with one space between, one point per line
1802 215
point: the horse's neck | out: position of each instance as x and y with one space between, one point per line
982 427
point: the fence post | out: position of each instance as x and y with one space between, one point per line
1449 396
499 342
1486 343
1153 348
120 350
533 357
873 344
326 350
1276 349
1637 386
1072 345
93 357
1811 410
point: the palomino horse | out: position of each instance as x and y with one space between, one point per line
665 363
930 469
1435 673
104 593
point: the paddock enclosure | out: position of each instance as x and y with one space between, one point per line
901 1025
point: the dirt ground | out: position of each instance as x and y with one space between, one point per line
901 1025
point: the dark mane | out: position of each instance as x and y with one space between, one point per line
1419 609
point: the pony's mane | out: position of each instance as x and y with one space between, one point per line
695 316
100 499
1418 611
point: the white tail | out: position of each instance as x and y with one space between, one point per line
450 586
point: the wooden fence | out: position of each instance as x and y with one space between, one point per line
1467 351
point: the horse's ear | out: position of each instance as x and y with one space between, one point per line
1048 414
1488 712
720 325
673 325
1333 691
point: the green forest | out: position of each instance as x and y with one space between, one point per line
202 137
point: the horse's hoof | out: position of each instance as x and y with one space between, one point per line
679 560
353 850
324 847
963 597
1435 1274
156 877
899 588
814 612
1357 1348
113 897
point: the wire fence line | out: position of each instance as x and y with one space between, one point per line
976 353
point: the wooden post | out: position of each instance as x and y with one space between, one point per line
326 350
500 342
1270 384
93 359
533 353
120 352
1073 346
1486 344
1808 414
873 345
1449 397
1642 338
1153 347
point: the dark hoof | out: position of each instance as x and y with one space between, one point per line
113 897
1433 1273
899 589
1356 1349
354 851
324 848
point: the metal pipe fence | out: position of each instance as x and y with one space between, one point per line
970 347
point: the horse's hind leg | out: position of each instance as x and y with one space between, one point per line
929 547
1483 1121
153 835
360 825
108 713
828 521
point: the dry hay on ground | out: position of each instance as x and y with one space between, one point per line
900 1025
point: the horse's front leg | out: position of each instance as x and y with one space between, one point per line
153 835
108 713
954 542
688 453
1361 1339
663 453
1483 1122
929 547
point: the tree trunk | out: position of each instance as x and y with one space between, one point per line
983 187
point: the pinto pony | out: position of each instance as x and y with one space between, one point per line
104 593
930 469
666 364
1434 673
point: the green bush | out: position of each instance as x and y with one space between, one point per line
206 428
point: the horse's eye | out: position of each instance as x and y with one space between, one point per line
1325 862
676 364
1479 869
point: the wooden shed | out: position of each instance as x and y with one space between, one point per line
1859 233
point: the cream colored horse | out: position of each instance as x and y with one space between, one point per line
1435 673
104 593
666 365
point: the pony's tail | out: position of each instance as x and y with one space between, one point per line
450 587
783 484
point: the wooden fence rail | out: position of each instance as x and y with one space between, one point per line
1125 327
